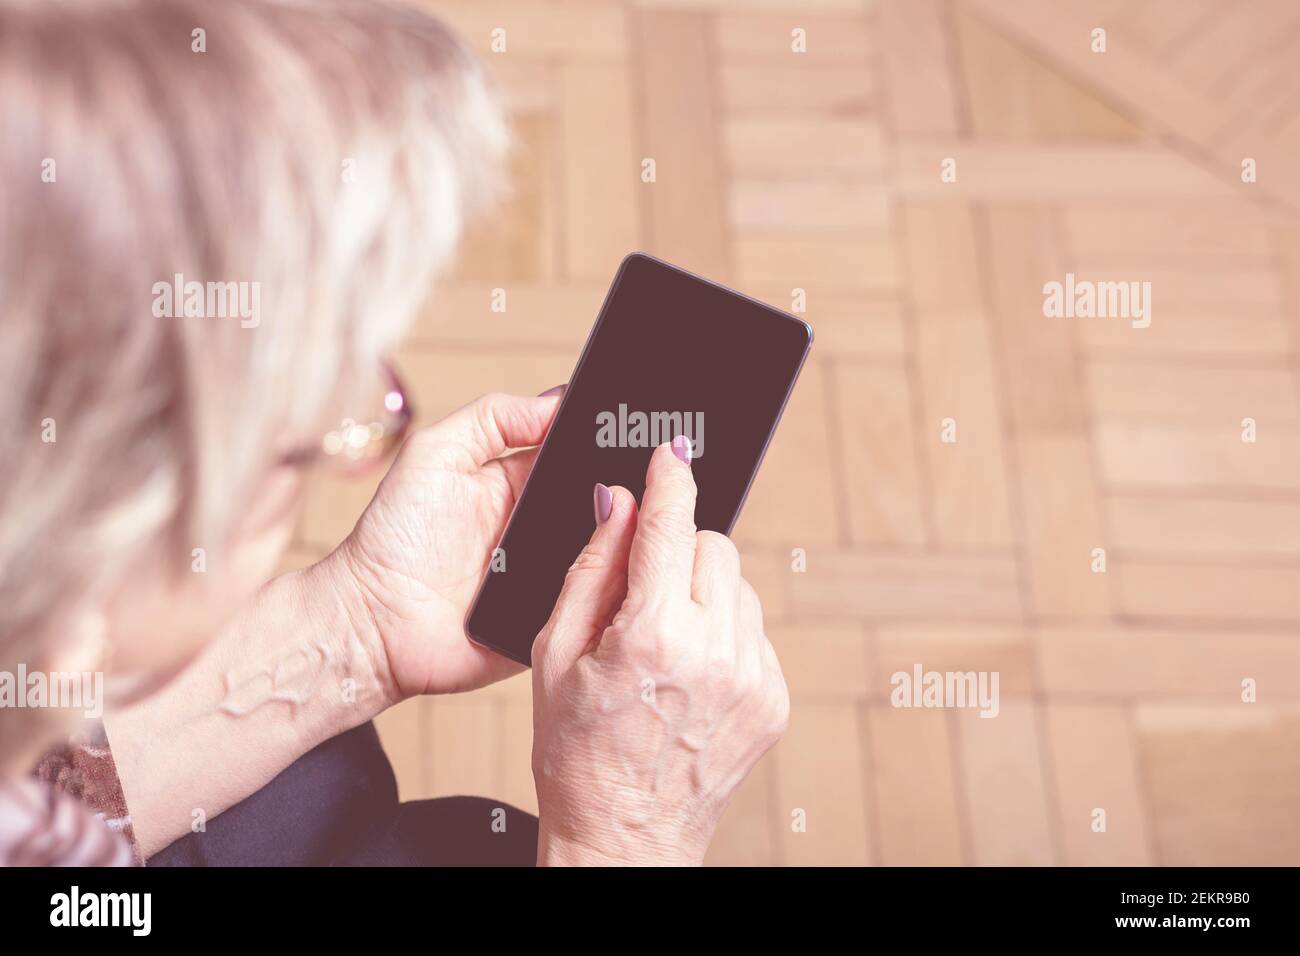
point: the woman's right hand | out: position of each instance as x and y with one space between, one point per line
655 690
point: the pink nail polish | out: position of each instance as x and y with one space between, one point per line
682 448
557 390
603 500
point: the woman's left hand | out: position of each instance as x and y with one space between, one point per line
414 561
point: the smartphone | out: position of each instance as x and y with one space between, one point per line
670 353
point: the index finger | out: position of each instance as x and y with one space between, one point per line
663 552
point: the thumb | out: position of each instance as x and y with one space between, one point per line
490 426
595 586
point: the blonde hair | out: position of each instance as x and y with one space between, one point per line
327 150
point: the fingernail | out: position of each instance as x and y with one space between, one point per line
558 390
682 448
604 502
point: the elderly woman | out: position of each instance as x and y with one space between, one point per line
218 217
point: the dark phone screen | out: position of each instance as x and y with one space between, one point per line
670 353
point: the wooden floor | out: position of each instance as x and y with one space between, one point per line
822 171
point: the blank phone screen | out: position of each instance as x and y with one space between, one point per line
670 354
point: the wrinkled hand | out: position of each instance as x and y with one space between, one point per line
414 561
655 690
